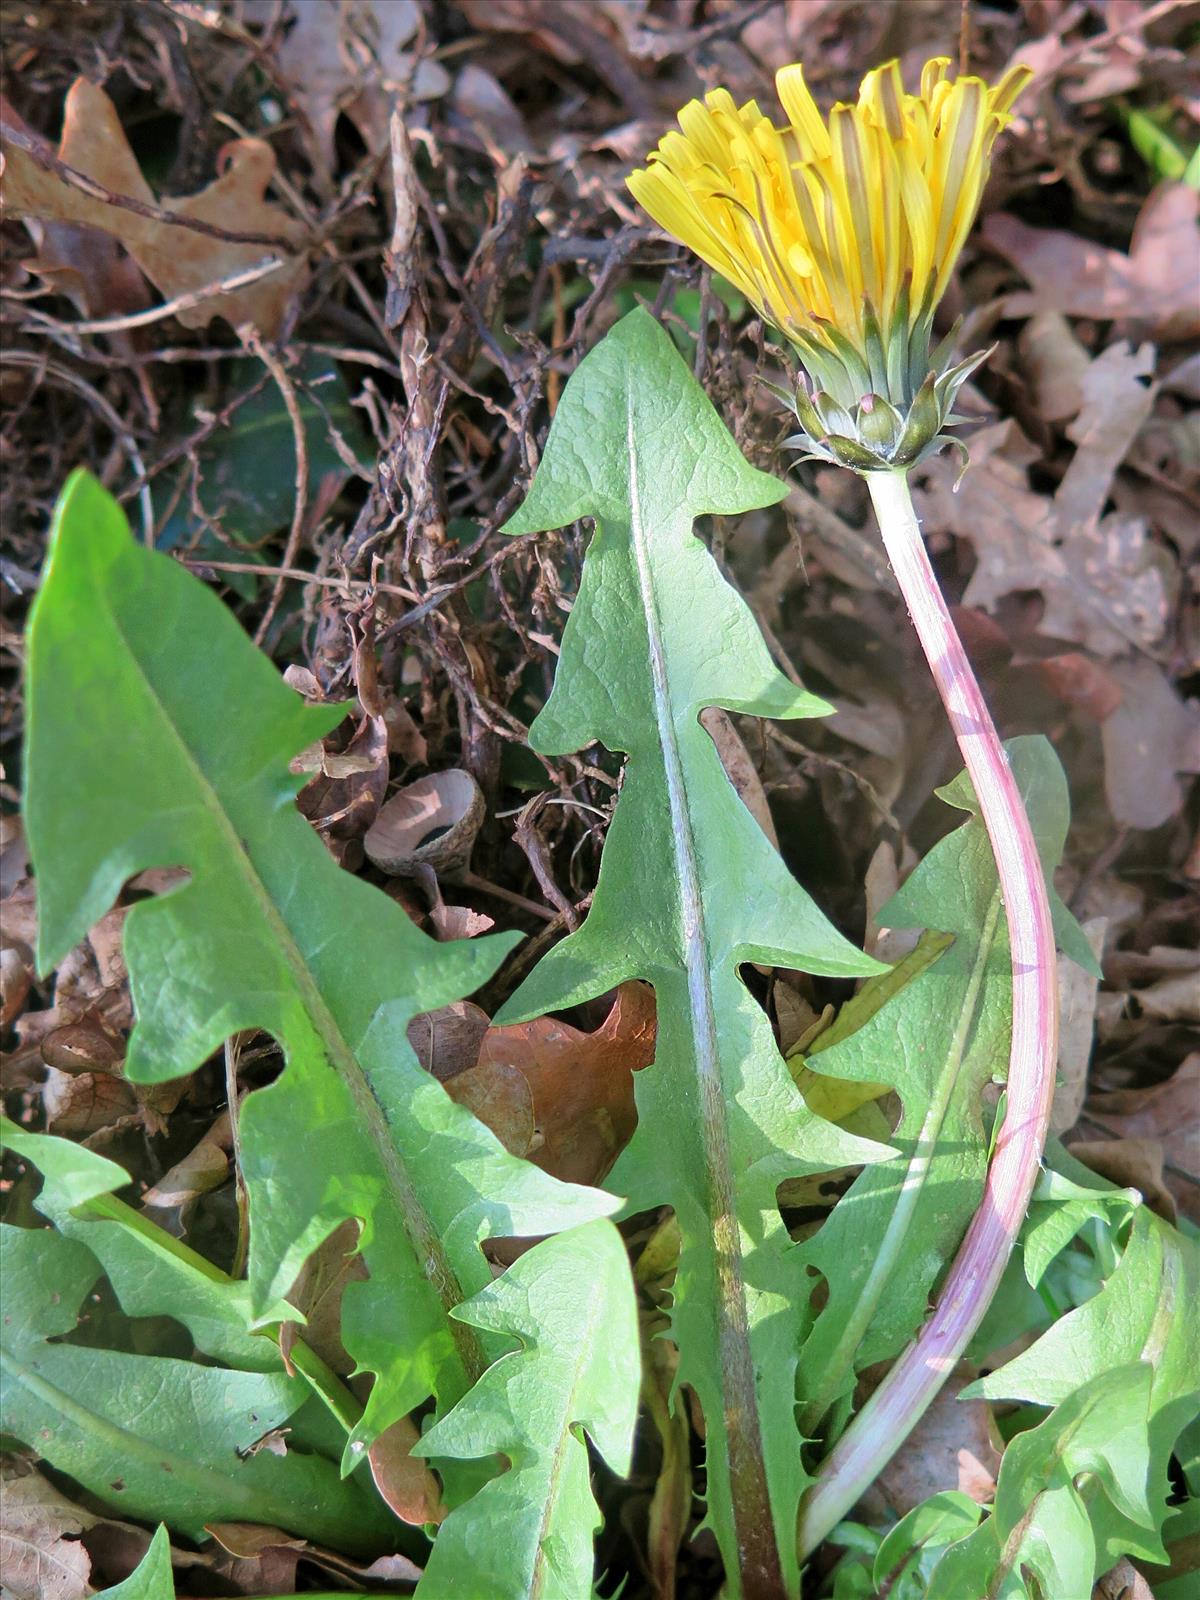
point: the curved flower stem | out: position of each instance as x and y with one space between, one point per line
893 1410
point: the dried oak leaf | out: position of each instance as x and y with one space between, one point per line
1169 1114
1100 580
87 266
1157 285
1152 736
177 260
498 1093
581 1083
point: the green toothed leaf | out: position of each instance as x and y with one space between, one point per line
130 653
528 1532
689 889
1090 1483
152 1436
152 1273
937 1042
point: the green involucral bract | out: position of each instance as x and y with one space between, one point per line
937 1042
143 681
690 889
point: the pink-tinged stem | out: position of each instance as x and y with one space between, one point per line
893 1410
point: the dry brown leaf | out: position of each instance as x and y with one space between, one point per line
1157 285
481 100
175 1196
498 1094
257 1559
85 1046
1054 362
1115 406
447 1040
405 1481
349 59
89 268
317 1295
1100 585
581 1083
177 260
84 1103
1151 736
458 922
40 1552
16 977
262 1560
1124 1582
343 800
1080 682
1169 1113
739 768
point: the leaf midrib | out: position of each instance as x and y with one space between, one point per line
566 1438
741 1424
423 1238
259 1504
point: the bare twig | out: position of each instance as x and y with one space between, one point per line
180 302
40 363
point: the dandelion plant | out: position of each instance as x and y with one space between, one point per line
844 233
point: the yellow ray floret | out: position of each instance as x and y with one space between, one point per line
808 219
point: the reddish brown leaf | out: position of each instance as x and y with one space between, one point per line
582 1083
404 1480
1169 1113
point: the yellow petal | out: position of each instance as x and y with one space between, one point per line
802 111
1010 86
